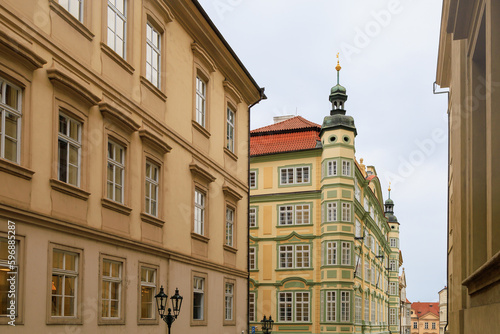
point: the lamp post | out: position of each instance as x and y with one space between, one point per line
267 325
161 303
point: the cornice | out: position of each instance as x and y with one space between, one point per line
64 80
231 192
201 173
22 53
117 116
149 138
199 52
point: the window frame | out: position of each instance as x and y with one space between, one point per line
204 277
81 11
345 306
116 164
199 226
252 303
294 170
120 320
304 210
229 298
346 168
294 256
230 227
157 51
346 212
253 211
70 142
201 96
124 17
18 113
252 258
150 183
156 268
293 307
230 143
255 173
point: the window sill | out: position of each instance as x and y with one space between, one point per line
147 218
201 129
69 189
106 322
229 323
119 60
290 269
64 321
230 249
71 20
115 206
147 322
155 90
199 322
200 237
231 154
15 169
293 225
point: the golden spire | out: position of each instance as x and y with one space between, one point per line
338 64
389 186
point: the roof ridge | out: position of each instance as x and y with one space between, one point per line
294 123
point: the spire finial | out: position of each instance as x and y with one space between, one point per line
389 189
338 68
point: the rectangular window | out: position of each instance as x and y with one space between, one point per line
153 55
415 325
357 229
346 168
332 168
117 25
394 242
346 212
252 221
74 7
251 307
294 256
228 302
357 309
294 214
373 311
433 325
393 288
358 265
331 253
331 212
230 130
253 179
148 291
229 227
346 253
295 175
252 258
367 309
426 325
331 305
111 289
69 150
199 212
10 121
345 306
392 317
64 283
116 171
289 310
9 259
201 98
198 298
357 191
152 185
392 265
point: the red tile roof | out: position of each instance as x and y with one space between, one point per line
422 309
294 123
294 134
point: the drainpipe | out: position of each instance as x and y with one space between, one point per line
261 97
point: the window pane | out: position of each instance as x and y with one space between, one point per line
57 260
11 97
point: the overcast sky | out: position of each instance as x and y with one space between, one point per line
388 53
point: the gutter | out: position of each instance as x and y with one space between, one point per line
262 97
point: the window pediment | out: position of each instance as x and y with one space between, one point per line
17 50
118 117
201 173
149 138
61 79
201 54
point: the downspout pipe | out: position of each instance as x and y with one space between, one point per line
261 97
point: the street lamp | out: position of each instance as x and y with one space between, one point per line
161 303
267 325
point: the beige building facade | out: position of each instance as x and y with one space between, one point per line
443 309
123 168
468 65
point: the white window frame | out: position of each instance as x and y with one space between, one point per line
392 265
70 5
5 111
148 284
228 301
295 175
393 288
294 253
357 309
426 325
199 211
373 309
251 306
289 214
346 253
345 306
290 305
69 143
201 101
152 186
367 309
346 168
331 253
252 220
357 229
346 212
117 15
230 215
357 191
253 179
252 258
117 166
331 305
230 128
392 316
199 288
394 242
153 55
331 212
112 280
331 168
64 274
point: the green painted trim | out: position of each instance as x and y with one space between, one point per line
331 194
346 194
311 173
315 152
338 144
298 328
337 185
311 252
346 229
331 274
256 207
256 246
332 228
346 274
282 197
